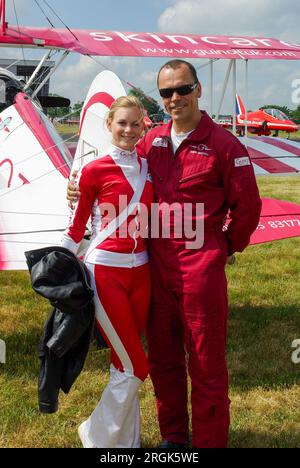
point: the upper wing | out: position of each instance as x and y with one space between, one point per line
145 44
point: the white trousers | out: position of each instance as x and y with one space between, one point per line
115 422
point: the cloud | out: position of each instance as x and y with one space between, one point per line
73 80
149 77
270 82
239 17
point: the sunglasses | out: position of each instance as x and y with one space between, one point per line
181 90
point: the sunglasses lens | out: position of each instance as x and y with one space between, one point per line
166 92
183 90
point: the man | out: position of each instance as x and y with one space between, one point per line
193 160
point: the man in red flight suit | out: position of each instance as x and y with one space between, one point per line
193 160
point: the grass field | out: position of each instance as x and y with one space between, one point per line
264 383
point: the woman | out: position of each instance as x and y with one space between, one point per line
116 191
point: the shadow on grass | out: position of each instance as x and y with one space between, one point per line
22 355
239 438
260 346
259 349
258 439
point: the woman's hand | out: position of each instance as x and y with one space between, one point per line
73 192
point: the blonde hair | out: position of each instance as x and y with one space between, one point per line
127 102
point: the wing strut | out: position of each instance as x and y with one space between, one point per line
233 96
36 71
62 58
211 82
246 103
224 88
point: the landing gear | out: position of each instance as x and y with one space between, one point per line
240 131
265 129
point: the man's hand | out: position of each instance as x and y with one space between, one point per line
73 192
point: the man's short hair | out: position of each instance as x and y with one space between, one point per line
176 63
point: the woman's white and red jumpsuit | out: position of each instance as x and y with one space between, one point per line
121 283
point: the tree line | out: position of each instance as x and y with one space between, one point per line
292 114
155 112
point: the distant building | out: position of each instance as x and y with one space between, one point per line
24 69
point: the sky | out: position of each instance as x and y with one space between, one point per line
270 82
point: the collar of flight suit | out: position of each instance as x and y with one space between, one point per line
200 133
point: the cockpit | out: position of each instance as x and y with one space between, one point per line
276 113
9 88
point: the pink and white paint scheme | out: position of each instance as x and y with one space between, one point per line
35 165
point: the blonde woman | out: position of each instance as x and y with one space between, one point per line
113 190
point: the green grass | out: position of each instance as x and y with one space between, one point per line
67 129
264 383
293 136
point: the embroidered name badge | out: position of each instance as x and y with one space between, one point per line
200 149
163 142
239 162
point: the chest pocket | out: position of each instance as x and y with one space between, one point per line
194 177
198 177
197 166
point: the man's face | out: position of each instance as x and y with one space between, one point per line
180 108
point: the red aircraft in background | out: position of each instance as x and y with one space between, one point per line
262 121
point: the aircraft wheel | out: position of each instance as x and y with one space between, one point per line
265 127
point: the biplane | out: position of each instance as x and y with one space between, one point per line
35 162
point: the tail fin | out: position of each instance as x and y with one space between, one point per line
239 106
94 137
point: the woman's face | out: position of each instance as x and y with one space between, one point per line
126 127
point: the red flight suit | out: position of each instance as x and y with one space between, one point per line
189 300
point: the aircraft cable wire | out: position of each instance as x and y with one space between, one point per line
37 154
198 68
28 243
54 12
206 64
31 214
58 119
272 215
29 232
51 24
105 67
63 229
12 64
45 174
90 152
39 78
22 48
122 79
